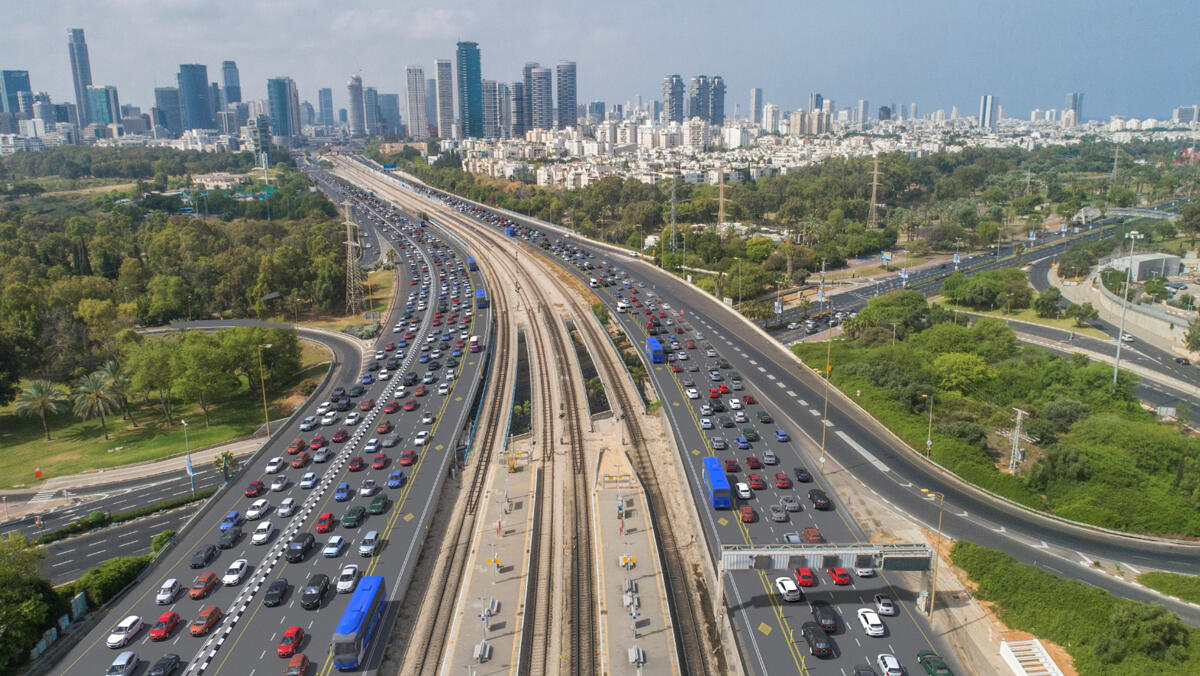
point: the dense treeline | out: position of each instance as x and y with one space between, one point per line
971 196
70 285
1098 457
131 163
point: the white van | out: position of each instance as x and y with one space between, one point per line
593 283
622 306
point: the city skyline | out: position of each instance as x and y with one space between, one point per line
1029 58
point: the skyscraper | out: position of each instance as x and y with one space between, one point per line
167 113
863 107
542 98
214 99
504 105
595 112
430 104
283 105
698 93
12 83
81 71
815 102
193 96
233 82
470 90
371 110
355 92
325 107
756 104
673 98
104 105
390 119
1075 103
565 71
527 78
417 127
987 111
443 72
491 109
517 103
716 100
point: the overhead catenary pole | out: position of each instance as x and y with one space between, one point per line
1132 236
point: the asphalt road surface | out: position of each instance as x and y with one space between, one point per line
245 639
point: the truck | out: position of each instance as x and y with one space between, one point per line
654 350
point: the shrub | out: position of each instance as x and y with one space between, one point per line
159 541
105 580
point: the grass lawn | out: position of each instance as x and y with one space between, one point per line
1186 587
78 445
1027 315
381 285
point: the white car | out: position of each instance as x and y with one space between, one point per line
124 632
788 589
871 624
287 507
258 509
706 424
692 393
276 465
444 388
347 579
380 354
368 488
743 491
383 374
330 418
352 419
262 533
324 408
309 423
681 356
167 592
309 480
236 572
422 438
333 548
279 483
397 328
889 665
372 445
864 571
427 418
735 404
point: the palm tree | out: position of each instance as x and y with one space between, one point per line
40 397
118 386
224 463
92 398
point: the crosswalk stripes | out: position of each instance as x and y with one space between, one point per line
43 496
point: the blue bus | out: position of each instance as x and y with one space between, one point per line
480 299
717 483
471 265
654 350
510 231
352 638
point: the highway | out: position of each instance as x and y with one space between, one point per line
240 643
895 473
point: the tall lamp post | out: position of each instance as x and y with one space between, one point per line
933 585
828 375
187 450
262 380
1132 236
929 434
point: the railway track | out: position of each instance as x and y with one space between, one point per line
535 644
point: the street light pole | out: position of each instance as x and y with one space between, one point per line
262 379
929 435
187 450
828 374
933 585
1132 236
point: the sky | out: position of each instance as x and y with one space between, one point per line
1133 59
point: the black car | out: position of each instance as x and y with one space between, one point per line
863 670
373 366
343 404
203 556
410 378
825 615
276 593
819 499
166 665
802 474
230 537
338 392
298 547
717 406
314 591
817 640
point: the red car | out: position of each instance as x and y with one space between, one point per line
437 322
205 621
420 391
410 404
782 480
317 442
731 466
839 576
380 461
756 482
301 459
366 404
384 426
165 626
813 534
408 457
325 522
714 393
340 436
389 347
753 463
676 368
409 335
748 399
723 388
356 464
296 446
747 513
805 577
290 641
391 407
690 345
255 489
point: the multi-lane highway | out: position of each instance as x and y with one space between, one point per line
244 640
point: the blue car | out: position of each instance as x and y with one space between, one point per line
424 359
402 343
456 352
742 443
367 379
343 492
231 519
397 479
780 435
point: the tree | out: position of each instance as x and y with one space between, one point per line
225 464
1047 302
28 605
152 366
205 371
1082 313
118 385
1192 338
958 371
1189 221
92 398
41 398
